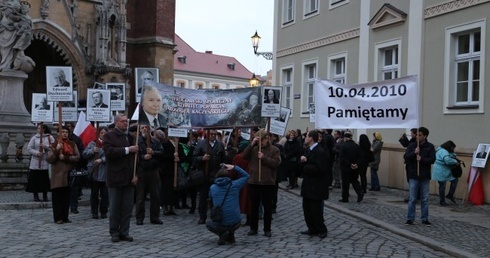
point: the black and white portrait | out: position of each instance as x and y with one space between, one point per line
118 96
41 110
145 77
480 156
59 83
271 100
98 105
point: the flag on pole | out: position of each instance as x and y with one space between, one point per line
475 187
135 116
85 130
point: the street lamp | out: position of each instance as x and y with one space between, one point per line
255 45
254 81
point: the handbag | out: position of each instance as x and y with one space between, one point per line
456 169
181 179
195 178
78 178
217 211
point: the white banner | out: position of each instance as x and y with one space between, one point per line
384 104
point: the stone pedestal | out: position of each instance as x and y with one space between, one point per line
12 108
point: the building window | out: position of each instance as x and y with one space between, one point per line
465 48
310 7
337 3
288 9
181 84
199 86
309 76
287 82
387 60
336 68
216 86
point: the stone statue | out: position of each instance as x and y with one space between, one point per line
15 36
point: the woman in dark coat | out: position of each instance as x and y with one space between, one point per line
366 157
293 150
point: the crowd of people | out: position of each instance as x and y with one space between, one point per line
129 166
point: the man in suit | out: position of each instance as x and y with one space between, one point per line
482 153
208 155
151 102
60 78
349 155
317 175
120 178
98 99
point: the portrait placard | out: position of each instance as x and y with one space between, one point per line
59 83
144 76
41 110
98 105
480 156
271 102
69 109
279 124
118 96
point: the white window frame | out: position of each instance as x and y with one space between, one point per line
307 83
451 58
288 12
310 8
336 3
379 59
288 87
333 74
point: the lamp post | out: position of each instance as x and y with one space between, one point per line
254 81
255 45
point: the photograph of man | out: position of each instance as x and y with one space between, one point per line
254 106
146 78
271 97
60 78
117 93
43 104
482 152
151 102
98 100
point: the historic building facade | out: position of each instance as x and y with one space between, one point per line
444 42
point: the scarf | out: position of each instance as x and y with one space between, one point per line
67 149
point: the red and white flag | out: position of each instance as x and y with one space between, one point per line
475 187
85 130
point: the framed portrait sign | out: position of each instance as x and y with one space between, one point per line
279 124
118 96
98 105
271 102
59 83
144 76
41 110
69 109
480 156
99 85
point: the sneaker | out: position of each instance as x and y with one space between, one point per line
427 223
409 222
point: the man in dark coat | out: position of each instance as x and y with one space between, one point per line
349 155
120 178
317 173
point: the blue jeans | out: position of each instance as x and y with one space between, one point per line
374 179
421 188
442 189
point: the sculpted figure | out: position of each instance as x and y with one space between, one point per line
15 36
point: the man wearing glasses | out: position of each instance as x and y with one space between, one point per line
120 178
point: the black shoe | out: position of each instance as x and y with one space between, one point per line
406 200
66 221
252 232
139 222
95 216
157 222
409 223
442 203
343 200
36 198
103 216
231 238
75 211
126 238
201 221
267 234
359 197
427 223
364 191
171 212
451 198
308 232
115 239
323 235
192 210
222 239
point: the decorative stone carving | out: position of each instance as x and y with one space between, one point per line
15 36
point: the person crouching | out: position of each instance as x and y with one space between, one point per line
225 192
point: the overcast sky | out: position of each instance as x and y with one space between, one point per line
225 27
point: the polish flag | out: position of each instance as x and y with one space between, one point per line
475 187
85 130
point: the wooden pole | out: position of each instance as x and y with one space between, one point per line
136 156
176 163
